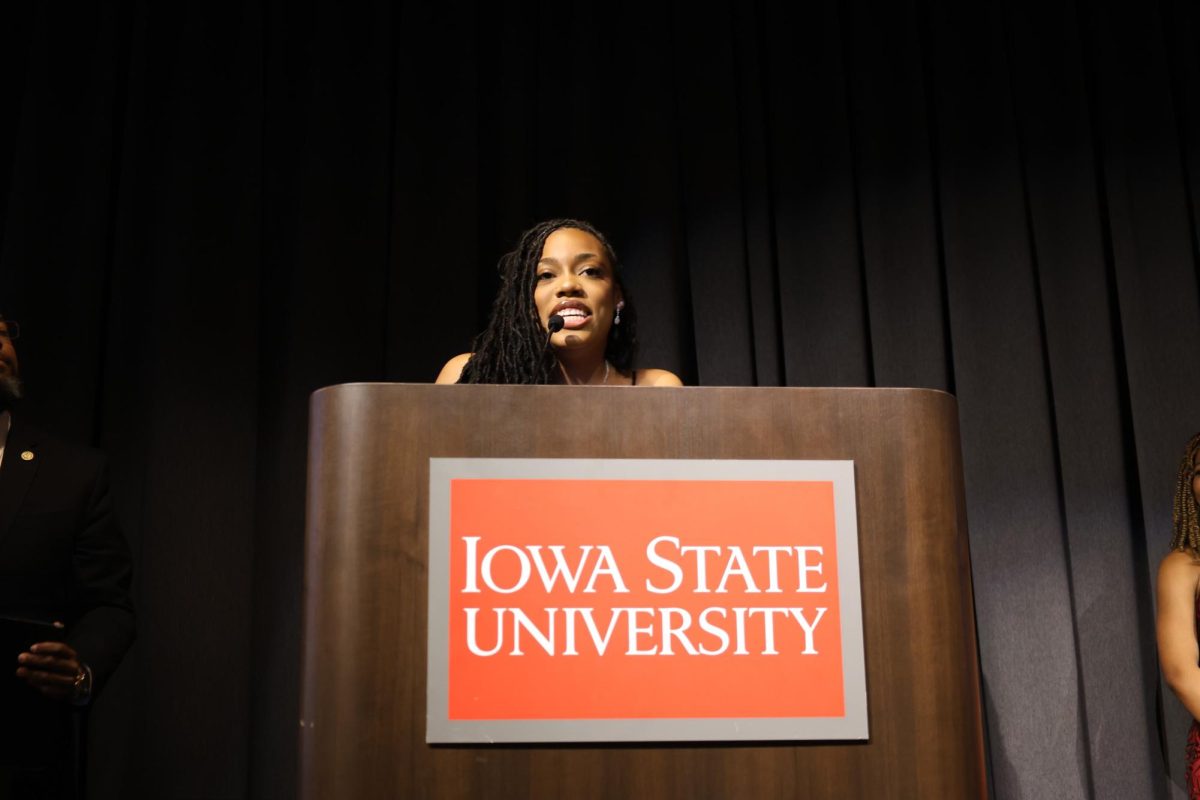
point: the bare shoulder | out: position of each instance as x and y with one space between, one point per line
657 377
1179 567
453 369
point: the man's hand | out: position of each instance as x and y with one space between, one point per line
54 669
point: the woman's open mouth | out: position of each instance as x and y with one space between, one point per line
573 317
574 313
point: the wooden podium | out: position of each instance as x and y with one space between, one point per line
363 688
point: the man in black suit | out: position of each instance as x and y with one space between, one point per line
63 561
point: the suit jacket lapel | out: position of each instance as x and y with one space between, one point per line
16 472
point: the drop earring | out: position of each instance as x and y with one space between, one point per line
617 318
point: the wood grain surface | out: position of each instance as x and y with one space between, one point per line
362 727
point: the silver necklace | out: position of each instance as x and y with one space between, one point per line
602 383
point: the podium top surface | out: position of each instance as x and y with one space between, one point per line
386 386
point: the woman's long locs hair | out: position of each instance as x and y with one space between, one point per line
1184 515
512 348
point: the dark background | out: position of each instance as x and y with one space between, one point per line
208 211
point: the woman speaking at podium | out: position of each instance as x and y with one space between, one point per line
562 316
1178 602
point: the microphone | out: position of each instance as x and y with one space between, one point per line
553 325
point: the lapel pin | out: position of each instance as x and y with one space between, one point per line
27 455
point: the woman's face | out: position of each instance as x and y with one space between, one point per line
575 280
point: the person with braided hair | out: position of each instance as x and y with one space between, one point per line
565 269
1179 604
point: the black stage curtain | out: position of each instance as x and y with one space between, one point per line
208 211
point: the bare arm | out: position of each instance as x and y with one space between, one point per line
1178 651
453 369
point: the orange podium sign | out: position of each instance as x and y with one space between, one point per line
637 600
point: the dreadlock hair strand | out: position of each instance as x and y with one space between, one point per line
512 348
1184 517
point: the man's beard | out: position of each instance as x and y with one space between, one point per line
10 391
